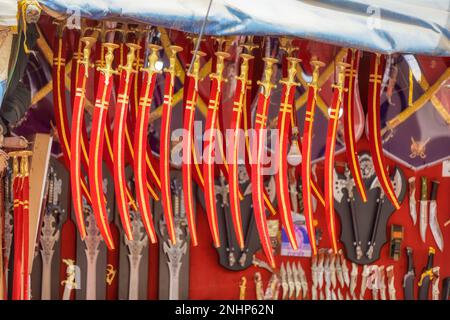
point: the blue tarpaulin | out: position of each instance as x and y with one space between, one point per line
385 26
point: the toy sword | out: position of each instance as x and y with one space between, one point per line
434 223
164 162
104 87
210 141
306 152
329 154
238 105
281 177
140 140
373 119
412 199
258 151
408 279
427 276
423 218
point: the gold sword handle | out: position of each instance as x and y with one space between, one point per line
287 46
220 66
172 61
267 83
85 59
244 71
131 57
107 69
316 64
290 82
153 58
195 73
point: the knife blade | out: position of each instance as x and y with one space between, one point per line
412 199
408 279
426 276
445 289
434 223
423 209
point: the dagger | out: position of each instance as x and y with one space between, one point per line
435 284
434 223
412 199
408 279
284 284
423 208
426 276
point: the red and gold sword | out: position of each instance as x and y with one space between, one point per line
330 151
25 225
258 149
76 133
209 145
246 120
104 87
236 118
18 232
120 185
188 141
377 63
164 161
349 118
306 152
284 123
140 140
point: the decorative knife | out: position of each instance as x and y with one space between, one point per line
435 284
382 282
315 277
284 284
327 275
364 275
412 199
344 268
291 283
390 280
303 280
423 209
434 223
353 280
242 288
426 276
408 279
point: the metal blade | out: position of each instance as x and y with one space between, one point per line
434 226
423 220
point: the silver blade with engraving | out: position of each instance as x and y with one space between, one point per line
327 275
284 283
72 278
412 199
423 209
92 242
303 280
353 280
345 271
135 248
320 268
364 275
434 223
382 282
49 236
390 280
435 284
290 279
297 282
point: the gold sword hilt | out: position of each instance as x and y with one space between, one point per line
220 66
249 45
195 73
244 69
194 39
341 68
267 83
172 61
24 168
131 57
88 44
153 58
15 156
316 64
292 72
108 70
287 46
221 41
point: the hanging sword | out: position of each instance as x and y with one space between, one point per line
164 163
330 151
349 119
434 223
412 199
91 241
373 119
210 143
306 152
120 185
140 140
234 148
284 123
423 213
188 143
257 149
104 87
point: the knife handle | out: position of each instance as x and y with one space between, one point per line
431 252
424 189
434 189
446 288
409 254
